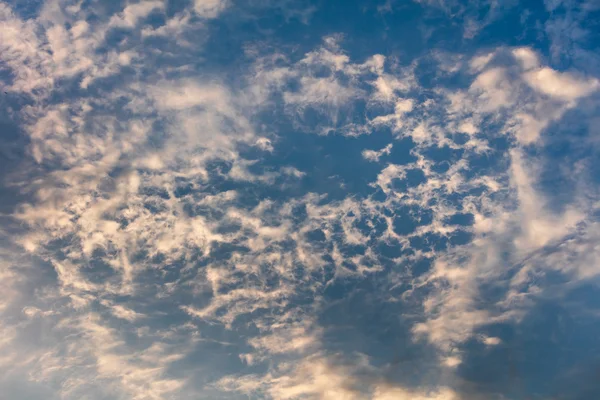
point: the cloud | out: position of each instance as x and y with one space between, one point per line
334 96
521 222
172 29
133 13
288 338
562 86
373 155
210 8
474 16
139 374
323 377
21 52
170 208
569 33
122 312
401 394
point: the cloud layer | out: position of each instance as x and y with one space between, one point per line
207 206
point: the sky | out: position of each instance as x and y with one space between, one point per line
298 199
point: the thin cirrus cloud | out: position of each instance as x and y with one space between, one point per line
185 231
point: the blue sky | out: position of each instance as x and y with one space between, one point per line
337 200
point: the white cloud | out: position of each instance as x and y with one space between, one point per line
526 57
520 220
133 13
560 85
122 312
58 45
114 202
373 155
320 91
397 120
330 95
493 90
403 394
539 227
210 8
478 63
189 94
33 312
491 341
289 338
239 302
22 51
140 374
323 377
173 29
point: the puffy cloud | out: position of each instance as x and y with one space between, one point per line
560 85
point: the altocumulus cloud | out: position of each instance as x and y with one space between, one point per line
238 199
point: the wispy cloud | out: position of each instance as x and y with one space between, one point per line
166 206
